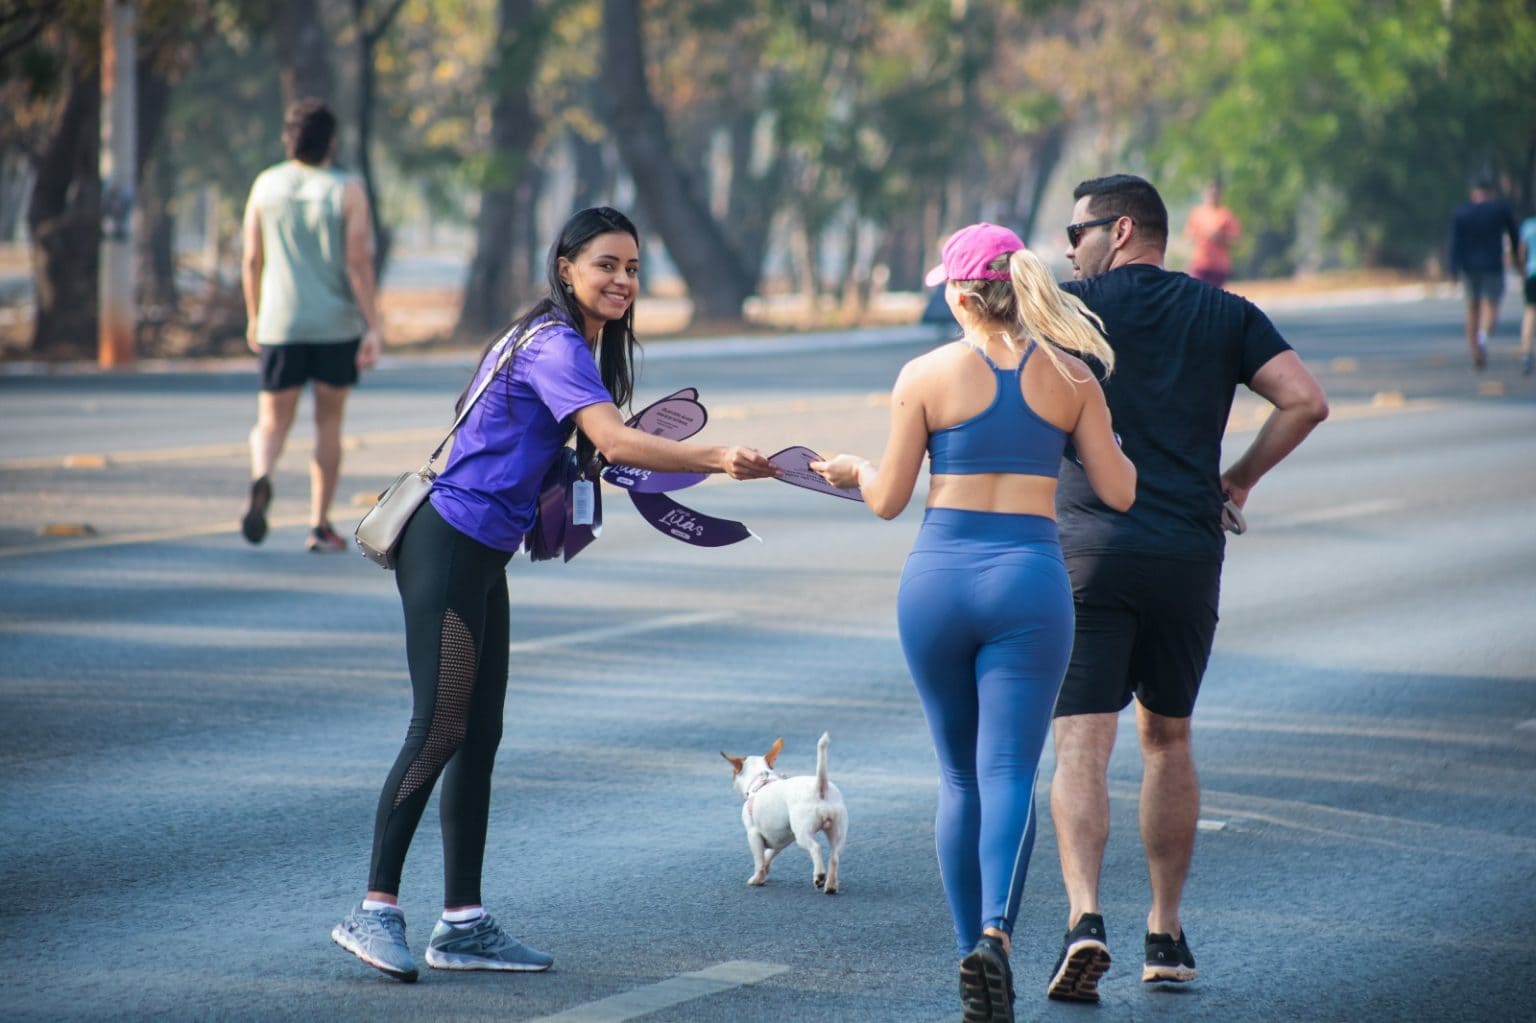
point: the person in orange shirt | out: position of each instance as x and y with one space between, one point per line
1214 229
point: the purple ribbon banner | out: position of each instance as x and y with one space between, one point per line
649 481
687 525
794 468
678 416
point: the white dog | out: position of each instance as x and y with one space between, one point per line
777 810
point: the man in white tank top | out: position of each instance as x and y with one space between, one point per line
311 308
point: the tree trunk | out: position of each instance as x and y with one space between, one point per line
754 198
1047 155
303 52
717 282
855 274
368 37
594 178
64 218
906 252
15 188
64 214
528 249
492 284
803 249
156 234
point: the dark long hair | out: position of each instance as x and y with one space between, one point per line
616 347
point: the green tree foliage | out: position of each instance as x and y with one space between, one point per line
1384 108
50 92
435 101
819 138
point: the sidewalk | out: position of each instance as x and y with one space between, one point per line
1291 294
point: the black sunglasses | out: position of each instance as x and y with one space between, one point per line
1075 231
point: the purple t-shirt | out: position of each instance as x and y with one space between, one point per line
490 486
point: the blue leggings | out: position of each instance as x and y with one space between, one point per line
985 614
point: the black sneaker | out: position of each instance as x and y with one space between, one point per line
1168 961
254 526
1084 959
986 983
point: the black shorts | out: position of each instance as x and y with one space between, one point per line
1145 626
1530 290
1483 286
286 366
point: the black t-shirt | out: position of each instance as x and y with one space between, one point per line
1181 348
1477 236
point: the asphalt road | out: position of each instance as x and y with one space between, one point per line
193 731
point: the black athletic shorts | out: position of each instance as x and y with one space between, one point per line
1145 626
1530 290
1483 286
286 366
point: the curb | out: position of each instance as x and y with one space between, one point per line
669 349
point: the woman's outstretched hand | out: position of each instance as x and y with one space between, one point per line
839 470
747 464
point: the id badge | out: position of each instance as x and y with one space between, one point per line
581 503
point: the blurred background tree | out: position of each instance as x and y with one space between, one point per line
1372 116
809 151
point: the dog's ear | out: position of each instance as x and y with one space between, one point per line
773 754
737 763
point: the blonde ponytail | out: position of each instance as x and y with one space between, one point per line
1054 316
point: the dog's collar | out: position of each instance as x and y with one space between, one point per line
766 778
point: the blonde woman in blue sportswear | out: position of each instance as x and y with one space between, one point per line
985 608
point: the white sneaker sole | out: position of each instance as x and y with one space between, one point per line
453 961
349 944
1078 978
1167 974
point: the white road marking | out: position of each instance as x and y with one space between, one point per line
1526 726
588 636
673 991
1358 510
1205 824
1469 737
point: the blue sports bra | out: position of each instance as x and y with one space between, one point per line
1007 436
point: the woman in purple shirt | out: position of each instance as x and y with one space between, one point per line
572 376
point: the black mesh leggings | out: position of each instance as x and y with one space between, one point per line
454 591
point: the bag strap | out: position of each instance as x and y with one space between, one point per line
507 351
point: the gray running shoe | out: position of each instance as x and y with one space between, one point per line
482 946
377 937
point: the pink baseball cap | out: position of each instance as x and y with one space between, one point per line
969 253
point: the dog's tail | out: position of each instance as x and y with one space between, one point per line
821 766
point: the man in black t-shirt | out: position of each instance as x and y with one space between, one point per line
1475 254
1146 583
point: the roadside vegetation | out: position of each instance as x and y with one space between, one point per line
788 160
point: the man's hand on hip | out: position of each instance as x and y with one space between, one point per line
368 351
